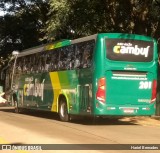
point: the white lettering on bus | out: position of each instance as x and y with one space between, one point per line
29 79
145 85
135 50
34 89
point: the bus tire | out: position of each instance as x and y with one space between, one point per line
63 111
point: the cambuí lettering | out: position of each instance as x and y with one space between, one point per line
34 88
129 49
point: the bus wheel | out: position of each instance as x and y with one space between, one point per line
63 111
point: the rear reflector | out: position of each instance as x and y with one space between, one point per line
154 91
101 92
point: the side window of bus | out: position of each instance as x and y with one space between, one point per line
48 61
36 62
70 57
41 62
67 56
87 54
38 65
84 53
53 56
62 59
19 65
32 63
28 63
24 64
78 56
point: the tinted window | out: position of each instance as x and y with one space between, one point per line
83 53
52 60
129 50
19 66
67 56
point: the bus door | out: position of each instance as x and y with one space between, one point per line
84 53
85 98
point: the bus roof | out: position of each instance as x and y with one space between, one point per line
54 45
91 37
48 46
67 42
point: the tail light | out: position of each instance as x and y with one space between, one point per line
154 91
101 92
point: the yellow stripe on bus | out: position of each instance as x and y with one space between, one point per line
56 89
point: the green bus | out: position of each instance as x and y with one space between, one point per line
106 74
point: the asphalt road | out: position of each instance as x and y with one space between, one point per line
45 128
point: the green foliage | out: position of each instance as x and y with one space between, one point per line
21 26
28 23
59 12
87 17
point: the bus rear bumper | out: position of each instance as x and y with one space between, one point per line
129 110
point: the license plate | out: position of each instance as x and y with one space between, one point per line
128 111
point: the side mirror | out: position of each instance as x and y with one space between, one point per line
15 53
13 86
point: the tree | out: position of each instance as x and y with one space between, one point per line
21 26
87 17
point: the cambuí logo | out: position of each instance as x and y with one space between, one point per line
128 48
34 87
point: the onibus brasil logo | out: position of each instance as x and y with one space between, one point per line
128 48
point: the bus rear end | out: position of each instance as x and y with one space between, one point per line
126 75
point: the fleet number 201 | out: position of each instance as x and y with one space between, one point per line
145 85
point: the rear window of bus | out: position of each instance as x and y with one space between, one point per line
129 50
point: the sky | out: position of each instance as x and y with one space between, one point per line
1 13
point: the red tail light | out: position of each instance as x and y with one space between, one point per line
101 92
154 91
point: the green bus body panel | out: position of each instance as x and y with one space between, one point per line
38 91
123 94
126 91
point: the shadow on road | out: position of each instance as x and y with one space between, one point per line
76 120
102 121
7 109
